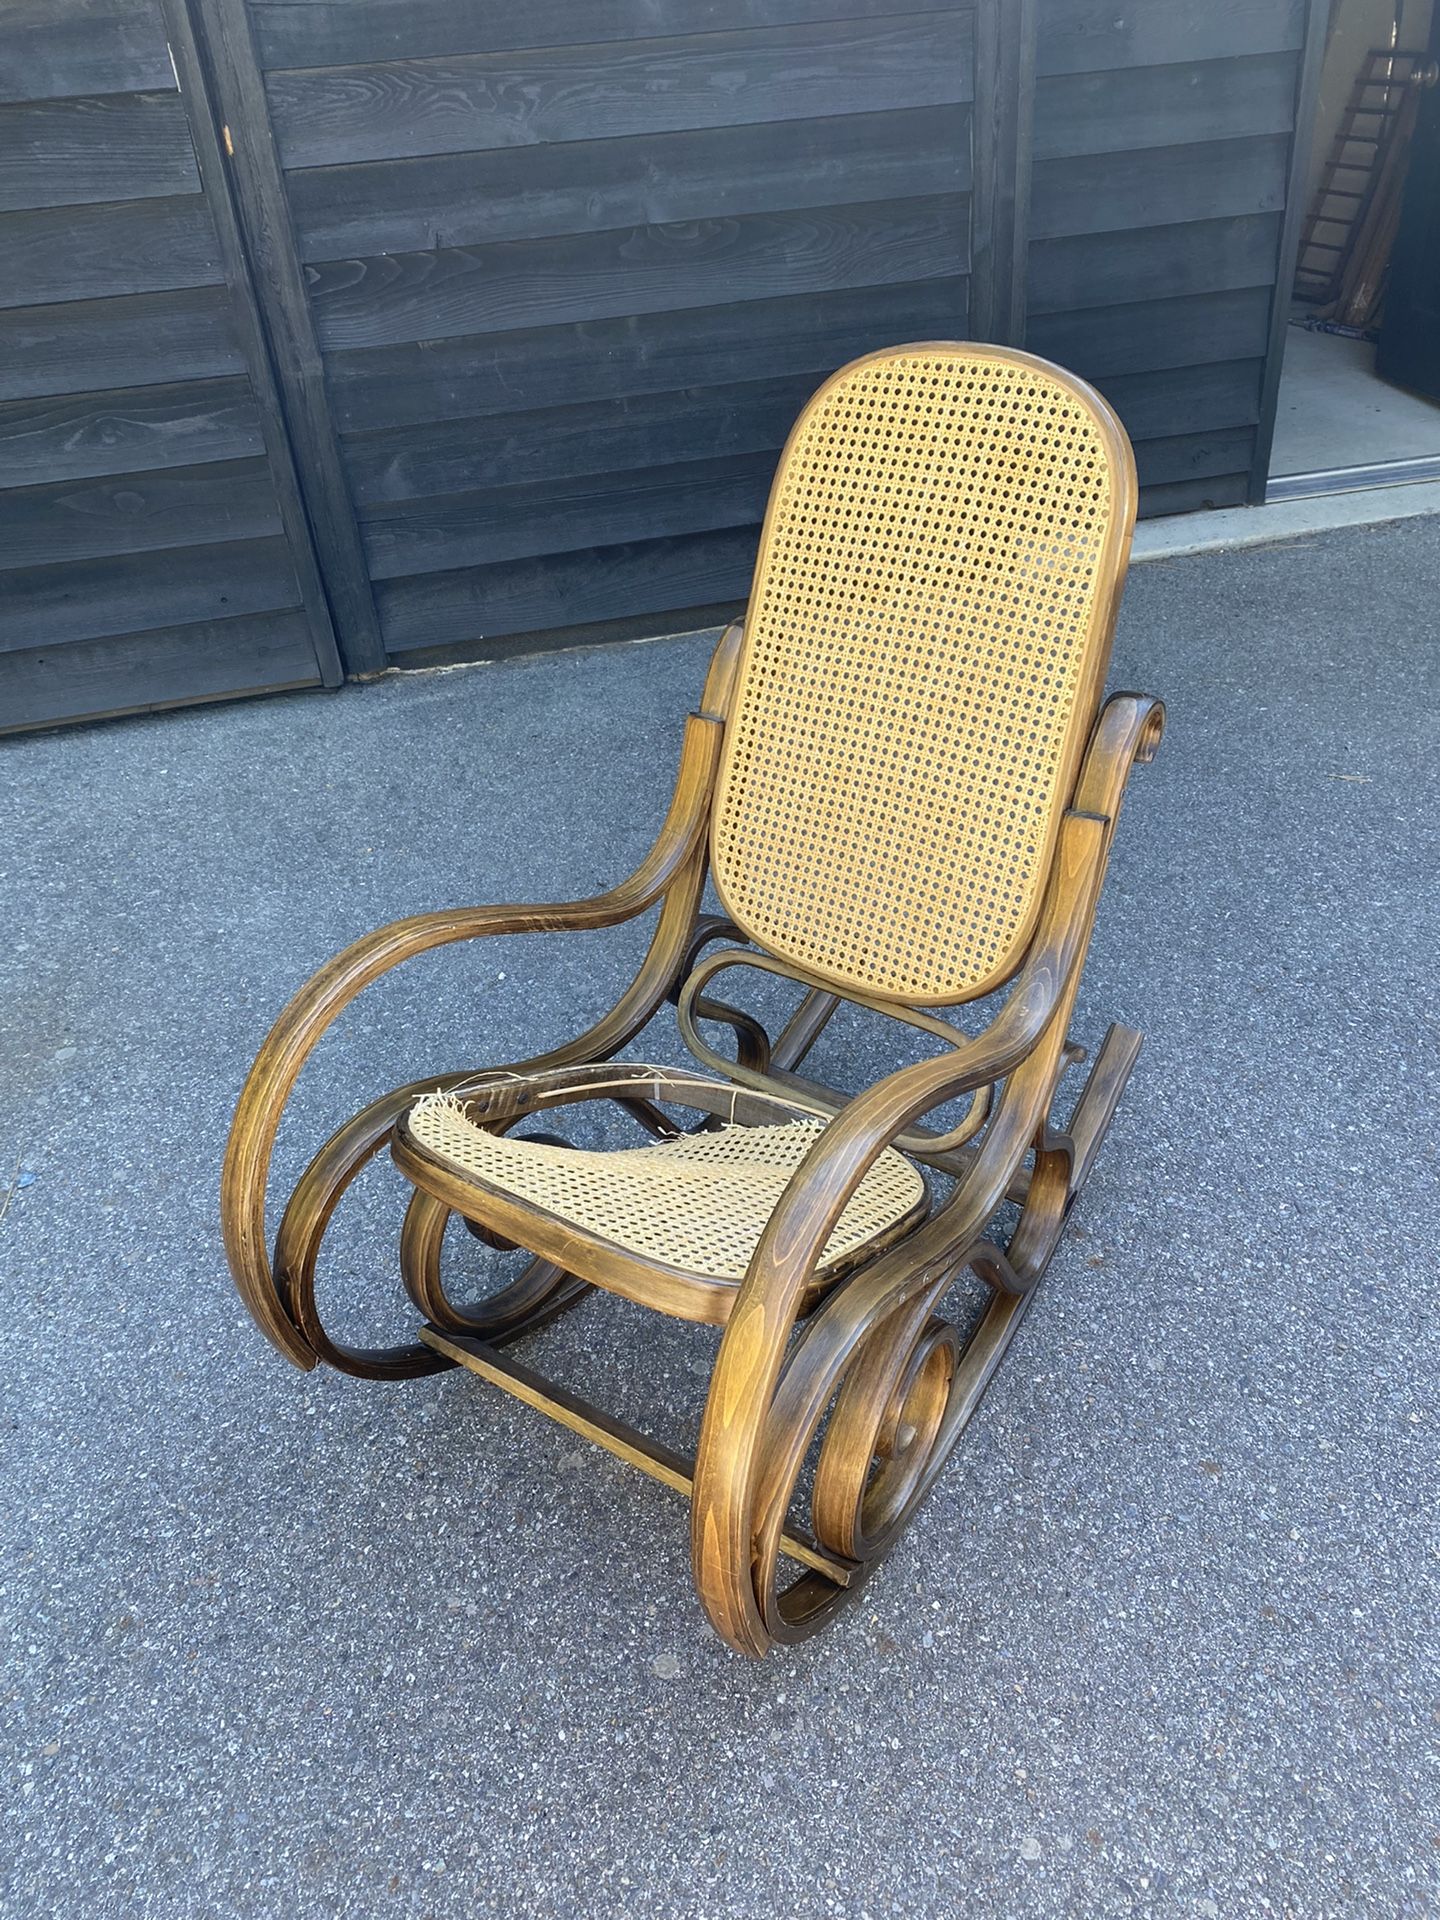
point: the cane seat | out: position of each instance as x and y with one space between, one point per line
695 1204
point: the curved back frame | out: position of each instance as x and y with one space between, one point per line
927 639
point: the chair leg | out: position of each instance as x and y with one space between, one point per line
904 1387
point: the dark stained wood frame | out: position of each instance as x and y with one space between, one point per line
251 334
867 1346
1002 156
220 47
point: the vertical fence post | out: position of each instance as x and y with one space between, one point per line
226 50
253 342
1003 139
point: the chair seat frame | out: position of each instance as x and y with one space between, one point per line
870 1348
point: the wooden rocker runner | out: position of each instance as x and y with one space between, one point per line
905 787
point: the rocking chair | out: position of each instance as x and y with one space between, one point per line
905 787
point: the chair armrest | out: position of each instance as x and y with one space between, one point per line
825 1180
1127 731
319 1002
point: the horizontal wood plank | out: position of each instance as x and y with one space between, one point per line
532 283
1139 107
1144 335
557 443
331 115
474 377
136 512
50 49
1194 456
86 253
477 610
129 431
88 344
126 593
121 146
1082 36
480 605
172 667
333 33
1180 400
1201 256
1195 496
1114 192
587 510
457 200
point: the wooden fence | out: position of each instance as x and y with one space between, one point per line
387 331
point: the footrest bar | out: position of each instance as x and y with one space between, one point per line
592 1423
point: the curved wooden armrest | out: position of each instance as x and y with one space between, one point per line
305 1019
1128 730
870 1122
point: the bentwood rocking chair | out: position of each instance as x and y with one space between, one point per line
905 787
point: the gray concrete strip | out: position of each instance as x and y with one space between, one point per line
1164 1640
1230 527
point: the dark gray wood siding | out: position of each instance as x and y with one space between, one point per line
1162 142
481 326
569 297
145 557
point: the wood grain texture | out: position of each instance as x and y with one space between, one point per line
1004 40
86 253
1144 335
468 610
147 339
1186 400
328 33
268 275
595 360
556 443
1083 36
53 48
136 512
457 200
1197 496
326 116
148 550
470 290
566 284
300 519
586 510
1119 111
1200 256
128 431
262 653
1112 193
131 592
118 146
1194 456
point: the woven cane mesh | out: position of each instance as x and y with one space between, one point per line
918 670
699 1203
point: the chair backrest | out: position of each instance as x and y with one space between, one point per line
926 643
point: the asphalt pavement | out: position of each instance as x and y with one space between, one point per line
1164 1640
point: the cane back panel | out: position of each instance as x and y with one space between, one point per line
927 636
